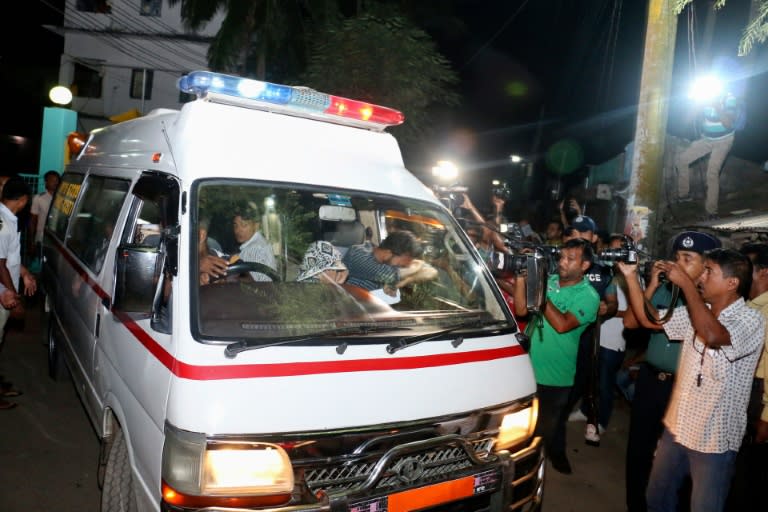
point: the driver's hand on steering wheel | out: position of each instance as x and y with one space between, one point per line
212 267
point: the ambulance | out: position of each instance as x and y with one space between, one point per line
276 393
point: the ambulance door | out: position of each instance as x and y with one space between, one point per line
90 239
136 330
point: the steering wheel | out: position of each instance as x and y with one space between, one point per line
241 267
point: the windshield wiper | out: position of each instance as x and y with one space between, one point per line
409 341
242 346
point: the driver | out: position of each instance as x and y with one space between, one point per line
213 265
254 248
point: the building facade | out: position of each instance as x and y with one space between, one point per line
122 58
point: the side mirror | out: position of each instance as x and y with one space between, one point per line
138 269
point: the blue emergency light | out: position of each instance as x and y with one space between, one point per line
300 99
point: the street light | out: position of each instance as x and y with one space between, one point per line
60 95
58 123
515 159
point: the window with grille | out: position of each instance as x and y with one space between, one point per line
141 83
150 7
87 81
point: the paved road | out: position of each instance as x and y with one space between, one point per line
48 449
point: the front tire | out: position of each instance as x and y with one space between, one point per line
117 493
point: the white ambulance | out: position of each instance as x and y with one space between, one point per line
260 391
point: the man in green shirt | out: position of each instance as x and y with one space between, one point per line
571 305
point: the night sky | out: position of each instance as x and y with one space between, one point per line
533 72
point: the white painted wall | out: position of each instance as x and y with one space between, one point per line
95 39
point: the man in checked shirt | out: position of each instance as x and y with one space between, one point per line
706 417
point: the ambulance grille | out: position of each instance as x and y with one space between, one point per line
420 468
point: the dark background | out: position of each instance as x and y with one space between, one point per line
533 72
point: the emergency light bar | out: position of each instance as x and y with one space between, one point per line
289 99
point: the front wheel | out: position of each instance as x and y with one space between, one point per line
117 493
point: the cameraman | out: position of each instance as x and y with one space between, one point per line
571 305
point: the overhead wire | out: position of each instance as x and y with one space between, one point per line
85 23
128 19
121 43
156 63
618 7
495 36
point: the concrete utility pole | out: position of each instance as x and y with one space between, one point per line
651 126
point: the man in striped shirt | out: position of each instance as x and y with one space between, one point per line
390 265
718 127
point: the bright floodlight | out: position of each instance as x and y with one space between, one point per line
60 95
445 170
706 88
516 159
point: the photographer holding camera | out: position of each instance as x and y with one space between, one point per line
721 339
656 374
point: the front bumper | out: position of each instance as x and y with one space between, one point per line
506 482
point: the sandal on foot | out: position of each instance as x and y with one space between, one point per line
5 404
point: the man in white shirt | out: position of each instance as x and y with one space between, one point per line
39 210
253 246
706 418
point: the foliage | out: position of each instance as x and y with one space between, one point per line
220 203
679 5
385 60
255 34
756 31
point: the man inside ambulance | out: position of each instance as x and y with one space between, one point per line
254 248
388 267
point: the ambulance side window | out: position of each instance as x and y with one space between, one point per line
94 218
63 204
150 229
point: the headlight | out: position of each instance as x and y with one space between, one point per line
246 468
517 426
196 466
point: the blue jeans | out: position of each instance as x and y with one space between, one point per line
710 473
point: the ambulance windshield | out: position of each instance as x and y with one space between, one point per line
277 262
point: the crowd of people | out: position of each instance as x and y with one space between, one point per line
16 280
699 409
698 432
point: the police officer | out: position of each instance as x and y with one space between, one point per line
600 276
656 374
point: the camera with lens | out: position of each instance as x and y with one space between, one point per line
648 270
501 190
627 253
569 210
452 197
